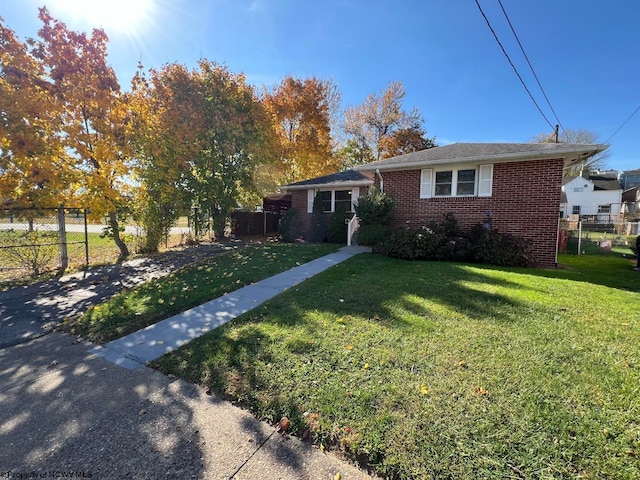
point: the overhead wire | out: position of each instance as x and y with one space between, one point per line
623 124
513 66
531 66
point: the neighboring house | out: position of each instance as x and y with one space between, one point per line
517 184
629 179
631 201
597 198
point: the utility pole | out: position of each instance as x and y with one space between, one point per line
557 127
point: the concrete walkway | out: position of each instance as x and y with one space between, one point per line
65 411
152 342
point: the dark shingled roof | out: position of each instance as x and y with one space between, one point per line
600 182
493 152
348 177
603 182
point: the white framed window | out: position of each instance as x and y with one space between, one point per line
463 182
604 208
575 210
444 184
466 182
333 199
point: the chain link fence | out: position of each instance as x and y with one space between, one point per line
579 233
33 242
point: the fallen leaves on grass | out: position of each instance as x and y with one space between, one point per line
481 391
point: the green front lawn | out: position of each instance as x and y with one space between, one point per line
445 370
189 287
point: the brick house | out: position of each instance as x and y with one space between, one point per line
342 188
520 184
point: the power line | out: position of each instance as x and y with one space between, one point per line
623 124
513 66
531 66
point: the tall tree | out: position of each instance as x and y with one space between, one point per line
582 136
92 116
377 119
164 134
33 163
234 141
301 111
200 136
405 140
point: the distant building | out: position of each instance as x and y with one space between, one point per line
597 198
630 179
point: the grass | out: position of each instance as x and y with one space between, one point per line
445 370
186 288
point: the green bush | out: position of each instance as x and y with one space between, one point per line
337 226
371 235
375 208
497 248
445 241
289 226
318 228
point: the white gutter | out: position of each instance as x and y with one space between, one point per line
569 155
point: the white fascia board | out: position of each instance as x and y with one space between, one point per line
570 156
327 186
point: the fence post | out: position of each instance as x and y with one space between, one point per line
86 239
64 254
579 236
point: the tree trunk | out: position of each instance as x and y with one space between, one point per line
113 223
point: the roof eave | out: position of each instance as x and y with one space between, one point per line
359 183
570 157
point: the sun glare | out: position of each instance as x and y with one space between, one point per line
128 16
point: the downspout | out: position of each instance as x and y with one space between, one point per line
381 180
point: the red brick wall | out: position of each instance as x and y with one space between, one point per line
525 202
299 202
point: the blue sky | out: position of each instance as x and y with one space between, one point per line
585 53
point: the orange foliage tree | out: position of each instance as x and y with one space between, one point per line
91 117
34 167
301 114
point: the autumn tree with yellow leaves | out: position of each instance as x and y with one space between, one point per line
34 167
301 112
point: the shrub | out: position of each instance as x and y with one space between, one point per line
318 229
375 208
337 226
289 226
445 241
497 248
32 250
371 235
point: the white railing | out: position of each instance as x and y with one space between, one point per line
352 226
